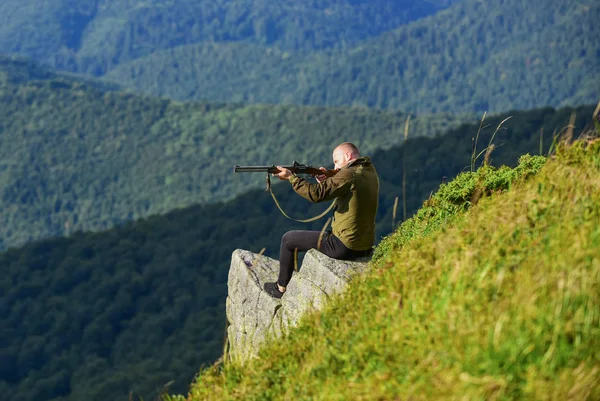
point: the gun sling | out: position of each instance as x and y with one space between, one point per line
286 215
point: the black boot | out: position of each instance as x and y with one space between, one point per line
273 290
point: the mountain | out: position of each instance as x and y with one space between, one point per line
96 316
474 56
92 36
20 70
416 56
78 157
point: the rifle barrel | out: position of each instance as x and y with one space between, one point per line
255 169
296 168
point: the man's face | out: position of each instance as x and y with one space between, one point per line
340 158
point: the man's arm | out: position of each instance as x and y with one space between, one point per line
329 189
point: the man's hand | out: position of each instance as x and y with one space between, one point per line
284 174
322 177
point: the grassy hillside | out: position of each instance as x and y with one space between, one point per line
497 301
97 315
75 157
92 36
474 56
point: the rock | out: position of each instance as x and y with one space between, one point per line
250 311
255 318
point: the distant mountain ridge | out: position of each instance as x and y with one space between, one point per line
475 56
21 70
419 57
92 36
77 157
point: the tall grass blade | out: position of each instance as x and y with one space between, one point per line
394 213
406 127
474 142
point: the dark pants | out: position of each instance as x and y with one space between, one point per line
305 240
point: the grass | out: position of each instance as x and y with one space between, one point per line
495 302
487 150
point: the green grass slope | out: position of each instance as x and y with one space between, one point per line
76 157
474 56
498 301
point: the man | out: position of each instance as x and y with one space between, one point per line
355 188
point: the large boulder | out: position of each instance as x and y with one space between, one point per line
254 317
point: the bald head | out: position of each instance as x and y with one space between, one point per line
344 153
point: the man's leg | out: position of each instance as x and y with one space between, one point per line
333 247
301 240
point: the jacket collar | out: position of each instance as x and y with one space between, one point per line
359 161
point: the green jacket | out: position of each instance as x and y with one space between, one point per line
356 191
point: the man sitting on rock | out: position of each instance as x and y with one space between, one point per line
355 188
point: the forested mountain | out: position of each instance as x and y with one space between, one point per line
75 157
417 56
17 70
95 316
92 36
475 56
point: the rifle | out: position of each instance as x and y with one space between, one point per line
295 168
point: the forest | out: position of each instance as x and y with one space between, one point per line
76 155
417 56
93 36
475 56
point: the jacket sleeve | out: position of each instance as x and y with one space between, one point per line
333 187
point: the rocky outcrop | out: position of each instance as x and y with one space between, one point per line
254 317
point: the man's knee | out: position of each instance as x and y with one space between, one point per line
288 240
287 236
303 240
